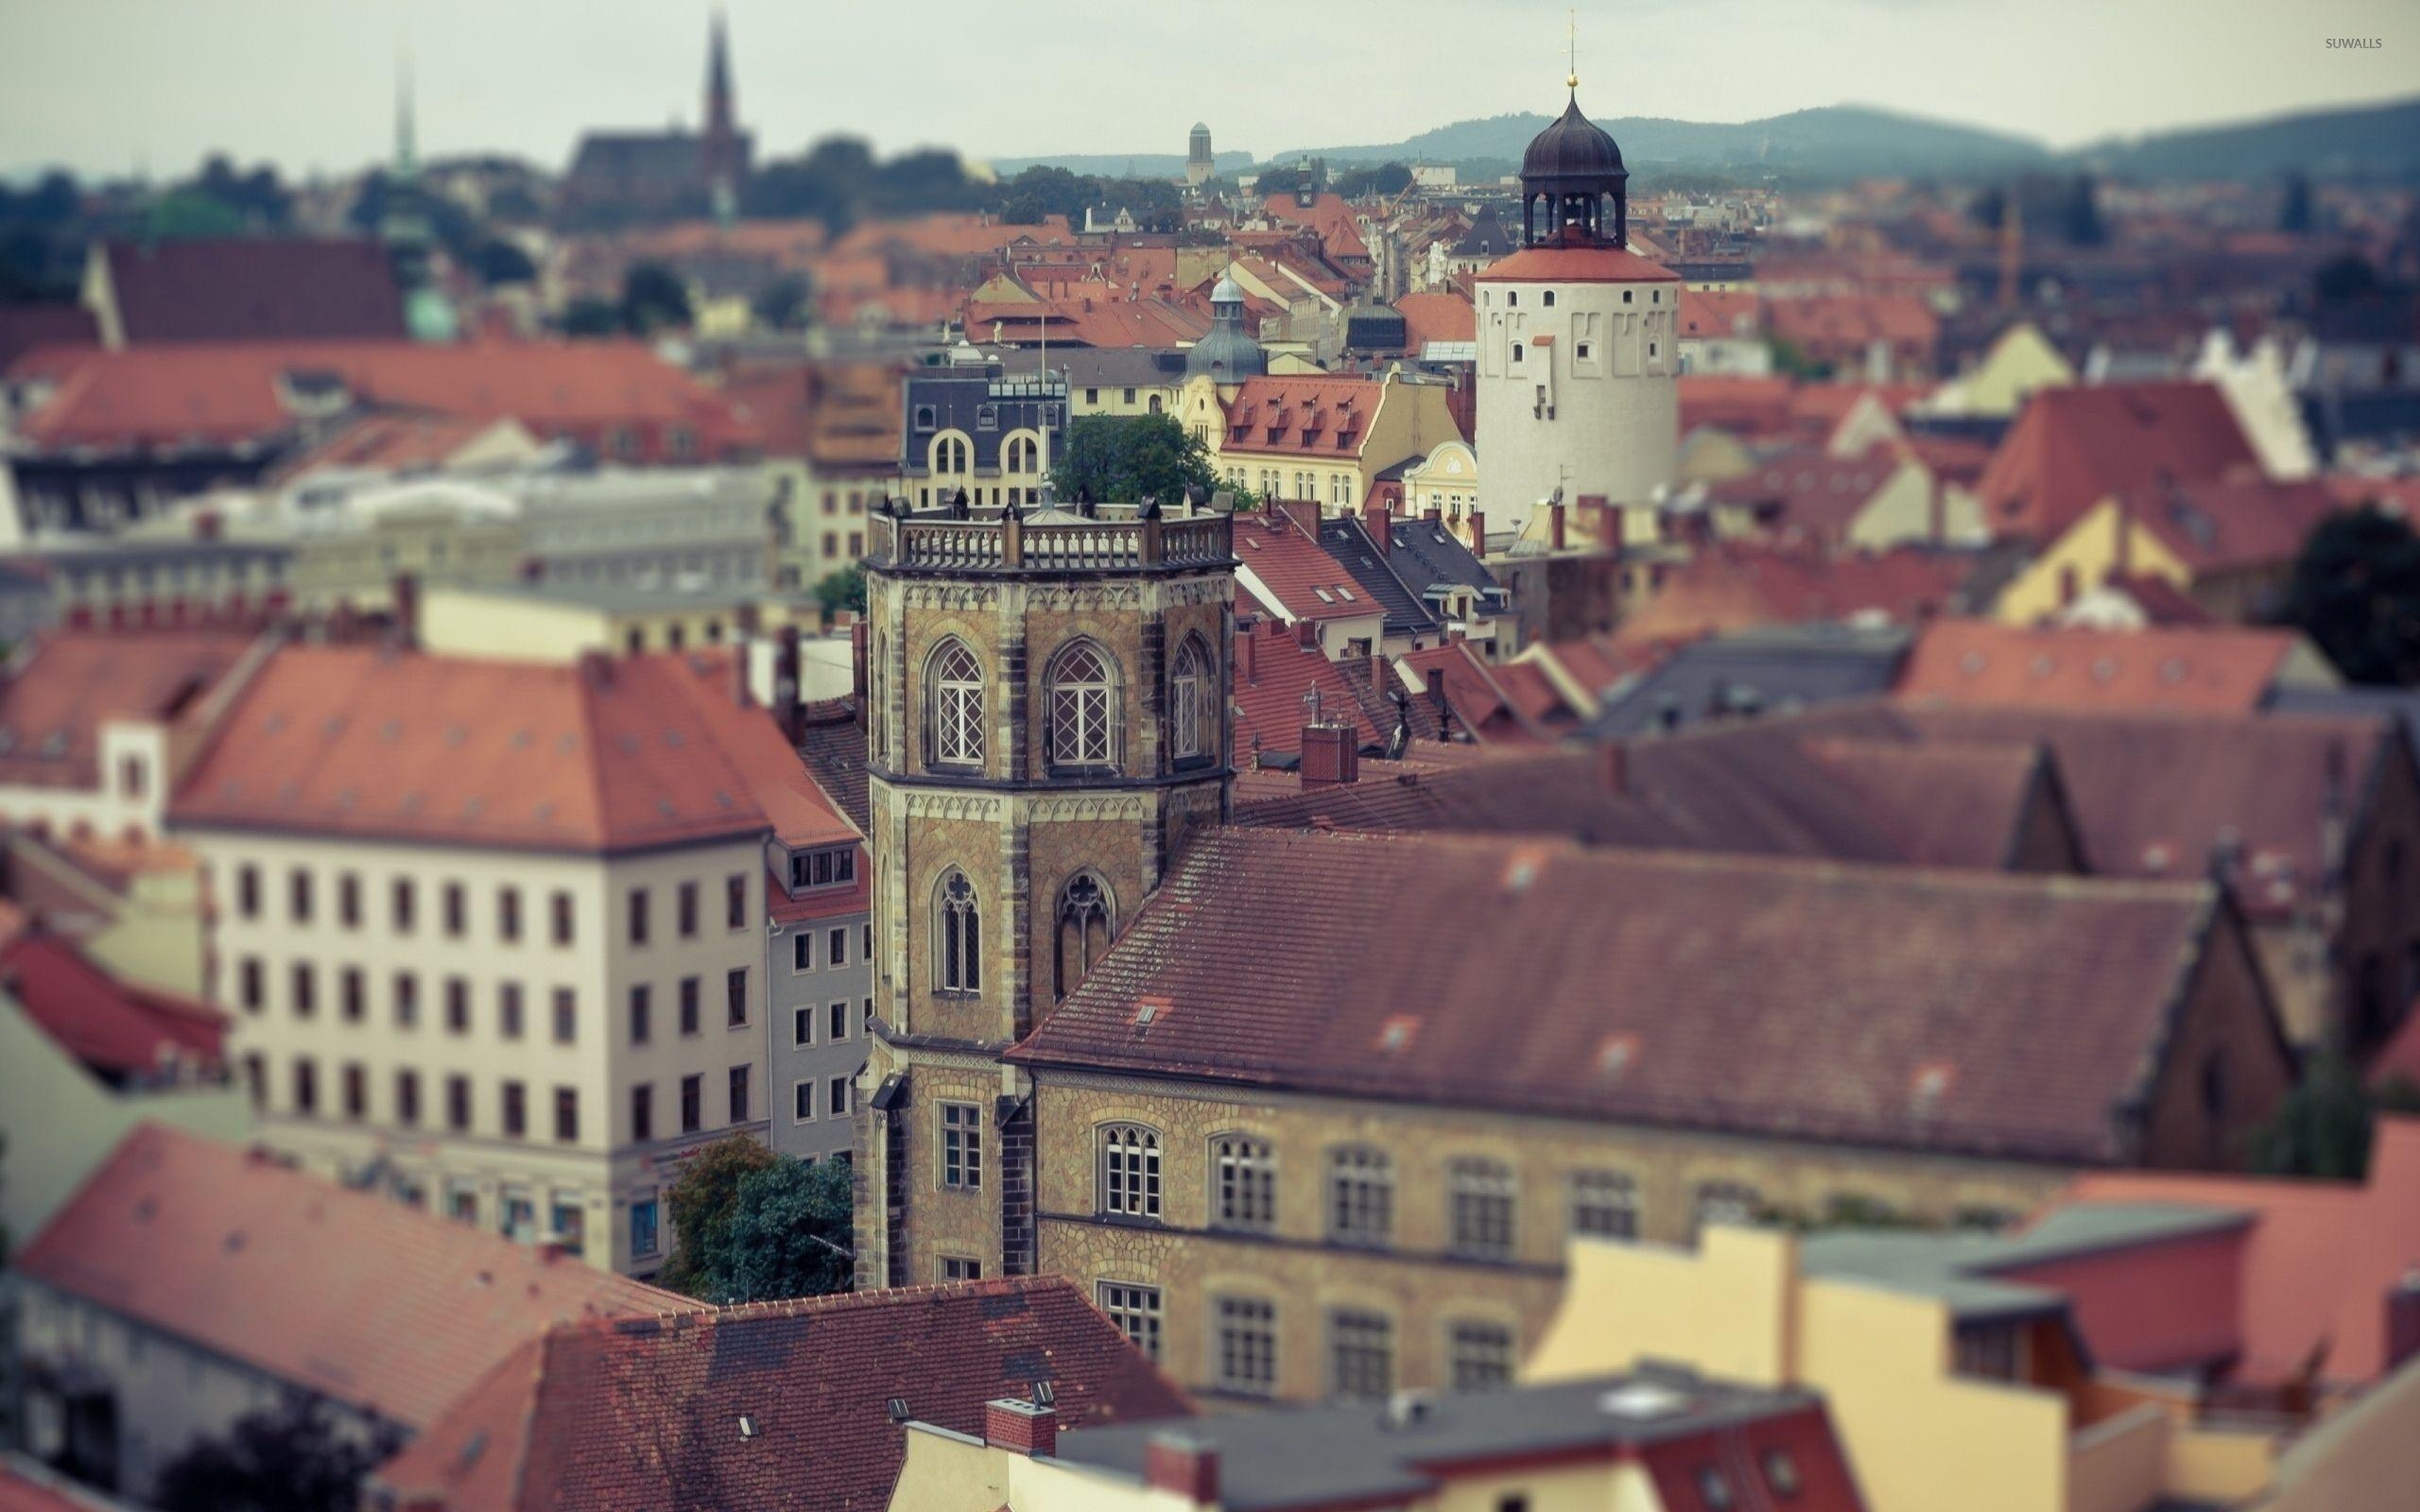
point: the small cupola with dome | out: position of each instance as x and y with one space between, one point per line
1570 171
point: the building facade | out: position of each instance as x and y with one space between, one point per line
819 972
1048 721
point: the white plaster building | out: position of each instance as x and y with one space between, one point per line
1579 350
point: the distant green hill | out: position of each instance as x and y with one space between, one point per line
2361 141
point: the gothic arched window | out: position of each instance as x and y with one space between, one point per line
1087 923
1083 708
1189 682
1023 453
954 706
958 931
1129 1171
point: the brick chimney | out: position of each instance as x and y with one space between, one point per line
1248 652
1330 756
1306 635
1303 513
2403 1319
406 597
1554 526
1479 534
1375 519
1182 1464
1021 1427
786 708
743 657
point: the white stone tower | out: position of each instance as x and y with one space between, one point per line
1579 358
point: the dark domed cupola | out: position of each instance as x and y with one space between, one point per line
1572 166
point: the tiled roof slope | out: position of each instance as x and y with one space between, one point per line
1275 676
1289 565
2228 524
2213 670
644 1413
608 754
1347 540
834 748
118 1027
2070 448
1787 998
53 704
255 288
383 1307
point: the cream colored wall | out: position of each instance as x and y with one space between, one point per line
604 1169
2021 361
1446 481
516 628
1723 1307
359 567
1901 511
2089 549
156 934
112 810
1119 399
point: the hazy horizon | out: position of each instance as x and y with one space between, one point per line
309 84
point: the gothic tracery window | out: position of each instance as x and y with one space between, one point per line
1086 925
958 928
1083 709
954 696
1188 682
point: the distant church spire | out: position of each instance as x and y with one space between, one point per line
724 151
719 117
406 140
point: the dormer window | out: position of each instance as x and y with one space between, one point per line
835 867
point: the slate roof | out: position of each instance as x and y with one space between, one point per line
2201 669
386 1308
1426 555
832 746
608 754
645 1414
255 288
54 702
2070 448
1344 538
1782 669
1348 1453
1989 1015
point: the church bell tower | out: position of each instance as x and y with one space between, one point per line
1047 717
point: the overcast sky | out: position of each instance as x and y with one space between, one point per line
106 86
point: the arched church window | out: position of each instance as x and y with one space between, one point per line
949 453
1083 708
1023 453
1087 923
958 929
954 704
1188 682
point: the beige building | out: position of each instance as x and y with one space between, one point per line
562 623
493 933
1445 484
1326 439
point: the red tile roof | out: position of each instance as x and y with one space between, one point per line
644 1413
607 755
1322 418
1761 996
385 1308
26 327
1810 494
1737 586
234 392
2204 670
53 704
119 1028
1845 323
1436 316
1275 676
2072 448
1720 316
2322 1260
836 415
20 1491
255 288
389 443
1514 704
1307 583
1575 259
2233 524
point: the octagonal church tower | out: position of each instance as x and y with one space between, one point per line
1578 340
1047 715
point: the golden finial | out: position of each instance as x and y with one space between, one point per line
1571 47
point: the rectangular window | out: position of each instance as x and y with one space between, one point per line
507 915
1246 1330
734 900
1135 1310
297 895
836 947
739 1094
693 1103
566 1016
1361 1196
406 1001
802 950
563 910
457 1102
961 1147
247 983
402 899
688 908
355 995
801 1027
1479 1356
837 1016
458 1005
567 1114
508 1011
1479 1197
1362 1354
839 1102
960 1268
640 1027
457 911
1604 1204
356 1093
1245 1174
516 1110
638 916
689 1005
734 991
407 1098
306 1087
1129 1171
306 989
642 1112
349 900
643 1228
803 1101
248 891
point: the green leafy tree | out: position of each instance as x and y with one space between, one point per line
501 262
653 299
1792 362
844 589
2349 277
189 213
703 1200
2325 1126
288 1458
1121 458
788 1235
2356 593
781 303
591 316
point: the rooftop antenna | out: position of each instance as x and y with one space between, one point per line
1571 51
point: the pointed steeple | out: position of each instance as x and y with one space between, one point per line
406 137
719 116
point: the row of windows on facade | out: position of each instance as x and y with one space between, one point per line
516 1209
406 1110
1512 297
952 457
454 906
1085 923
1272 484
1082 701
1482 1194
836 1029
404 1001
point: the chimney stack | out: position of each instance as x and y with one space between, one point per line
1555 537
1377 520
787 711
1616 768
742 658
1306 635
2403 1319
1478 535
1183 1465
1330 756
1021 1427
406 597
1248 651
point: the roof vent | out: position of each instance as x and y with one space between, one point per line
1640 1400
897 1408
1398 1033
746 1426
1410 1409
1615 1055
